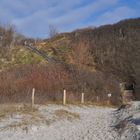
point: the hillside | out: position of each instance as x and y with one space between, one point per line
95 61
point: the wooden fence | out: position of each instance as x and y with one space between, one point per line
64 99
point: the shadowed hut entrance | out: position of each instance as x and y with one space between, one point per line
127 90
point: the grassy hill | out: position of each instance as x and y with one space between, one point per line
95 60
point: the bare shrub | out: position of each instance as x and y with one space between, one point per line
52 31
6 40
17 83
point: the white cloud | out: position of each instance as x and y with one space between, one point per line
32 17
65 15
114 15
82 12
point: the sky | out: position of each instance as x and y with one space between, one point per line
32 18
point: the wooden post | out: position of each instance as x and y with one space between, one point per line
64 97
109 98
33 97
108 102
97 99
82 98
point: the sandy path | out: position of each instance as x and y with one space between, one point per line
94 124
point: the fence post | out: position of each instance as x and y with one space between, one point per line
109 98
97 99
108 102
64 97
33 97
82 98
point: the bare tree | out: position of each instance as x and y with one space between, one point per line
52 30
7 36
81 55
81 59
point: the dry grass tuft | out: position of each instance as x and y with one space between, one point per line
64 114
11 109
28 116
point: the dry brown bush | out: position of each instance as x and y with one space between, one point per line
17 83
49 82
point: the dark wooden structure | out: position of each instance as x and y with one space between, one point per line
127 90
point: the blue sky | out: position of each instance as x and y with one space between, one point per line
33 17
